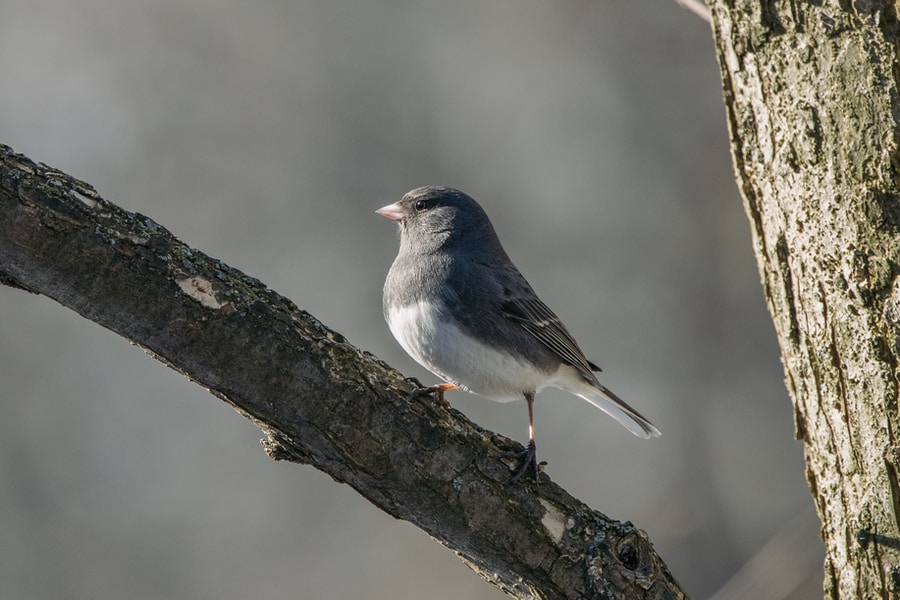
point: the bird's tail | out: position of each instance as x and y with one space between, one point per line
608 402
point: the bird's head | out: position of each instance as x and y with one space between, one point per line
433 217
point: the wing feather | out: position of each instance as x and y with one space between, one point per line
541 322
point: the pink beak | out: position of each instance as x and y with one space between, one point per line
392 211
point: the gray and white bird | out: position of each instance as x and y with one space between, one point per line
458 306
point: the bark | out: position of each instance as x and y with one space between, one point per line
812 106
317 399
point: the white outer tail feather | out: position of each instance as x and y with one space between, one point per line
615 407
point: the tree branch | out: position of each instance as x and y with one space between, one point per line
698 7
318 399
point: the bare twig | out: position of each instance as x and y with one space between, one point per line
698 7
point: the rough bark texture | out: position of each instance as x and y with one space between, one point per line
318 399
812 104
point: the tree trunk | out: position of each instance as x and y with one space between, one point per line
318 399
811 97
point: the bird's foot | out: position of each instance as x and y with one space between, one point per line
436 390
529 463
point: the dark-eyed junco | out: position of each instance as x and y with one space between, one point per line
462 310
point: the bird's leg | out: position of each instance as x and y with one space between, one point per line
438 391
529 455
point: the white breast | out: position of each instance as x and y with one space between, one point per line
445 350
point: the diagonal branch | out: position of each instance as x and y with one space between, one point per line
318 399
698 7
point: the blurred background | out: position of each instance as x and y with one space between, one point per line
266 134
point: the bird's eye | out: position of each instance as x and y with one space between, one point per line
421 205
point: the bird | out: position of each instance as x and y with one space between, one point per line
459 307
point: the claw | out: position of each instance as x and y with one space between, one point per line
529 459
438 391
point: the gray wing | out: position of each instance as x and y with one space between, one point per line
536 317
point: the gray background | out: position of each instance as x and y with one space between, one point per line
265 134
